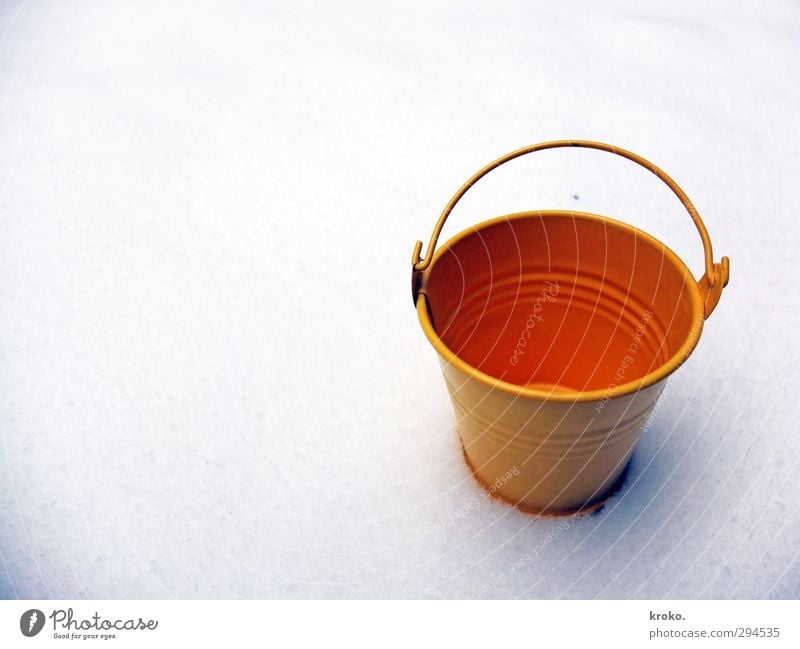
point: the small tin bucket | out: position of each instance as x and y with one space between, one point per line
556 332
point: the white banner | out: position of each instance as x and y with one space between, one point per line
398 623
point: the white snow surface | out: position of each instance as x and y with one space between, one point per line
212 380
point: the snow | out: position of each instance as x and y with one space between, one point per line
212 380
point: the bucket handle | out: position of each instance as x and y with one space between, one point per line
711 283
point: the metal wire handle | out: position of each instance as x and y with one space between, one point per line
711 283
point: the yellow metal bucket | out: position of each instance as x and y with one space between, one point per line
556 332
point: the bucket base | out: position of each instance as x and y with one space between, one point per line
590 508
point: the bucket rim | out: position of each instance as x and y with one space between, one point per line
515 389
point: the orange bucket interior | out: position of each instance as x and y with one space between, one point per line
561 301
